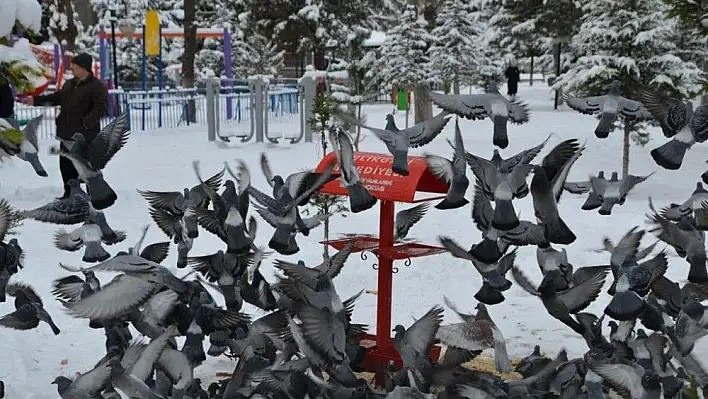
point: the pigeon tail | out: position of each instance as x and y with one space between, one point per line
400 163
488 295
501 359
591 202
360 199
606 208
281 238
625 306
94 252
102 195
450 204
33 160
557 232
605 124
292 248
670 154
231 299
500 138
487 251
190 222
505 218
697 273
237 241
182 253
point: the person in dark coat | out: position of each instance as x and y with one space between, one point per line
7 101
513 75
83 101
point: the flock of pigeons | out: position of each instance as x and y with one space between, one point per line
307 345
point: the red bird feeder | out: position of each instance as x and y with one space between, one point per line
389 188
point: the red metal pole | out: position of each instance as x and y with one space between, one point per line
385 276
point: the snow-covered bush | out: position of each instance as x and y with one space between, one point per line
18 66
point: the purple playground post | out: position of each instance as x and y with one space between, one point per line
227 70
57 54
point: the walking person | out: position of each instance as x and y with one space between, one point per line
7 101
513 75
83 101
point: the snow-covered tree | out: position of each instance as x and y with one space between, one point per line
455 46
259 56
490 62
18 65
631 42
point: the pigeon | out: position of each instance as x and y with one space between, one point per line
90 236
89 159
360 199
479 106
592 201
71 210
679 121
399 141
614 191
547 186
494 242
29 148
29 309
134 265
691 325
413 344
407 218
632 379
609 106
72 288
294 185
453 173
676 212
561 304
476 333
688 242
493 280
181 205
86 385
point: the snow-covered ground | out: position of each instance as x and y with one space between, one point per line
161 160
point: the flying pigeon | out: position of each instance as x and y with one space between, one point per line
609 106
676 212
399 141
614 191
29 309
490 105
89 159
679 121
451 172
86 385
581 187
71 210
182 205
293 185
89 236
29 148
413 344
547 186
407 218
360 199
494 281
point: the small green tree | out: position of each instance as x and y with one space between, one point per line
325 204
15 223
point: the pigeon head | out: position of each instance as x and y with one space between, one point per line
62 383
78 137
601 174
614 87
399 330
278 180
613 326
699 189
614 177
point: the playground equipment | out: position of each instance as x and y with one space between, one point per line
388 188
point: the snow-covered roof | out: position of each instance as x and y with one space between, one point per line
375 40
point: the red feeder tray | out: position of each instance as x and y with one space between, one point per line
389 188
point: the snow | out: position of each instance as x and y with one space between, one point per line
31 359
376 39
29 14
7 17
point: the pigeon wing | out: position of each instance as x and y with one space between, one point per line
474 336
586 105
23 293
578 187
127 263
670 113
336 262
506 262
699 123
167 222
440 167
23 318
109 141
407 218
30 131
68 288
267 170
59 212
484 170
560 177
523 281
625 376
94 380
348 166
170 201
177 367
115 299
267 216
579 297
482 210
421 335
526 233
470 106
156 252
634 110
68 241
523 157
424 132
202 193
628 183
519 112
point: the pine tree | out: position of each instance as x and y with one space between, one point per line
403 60
629 41
454 50
490 63
692 13
517 27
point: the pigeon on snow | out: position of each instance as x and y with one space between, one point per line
89 159
679 121
451 172
490 105
609 106
399 141
360 199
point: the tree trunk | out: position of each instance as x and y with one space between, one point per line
531 72
64 7
357 140
325 247
423 106
628 129
456 85
190 51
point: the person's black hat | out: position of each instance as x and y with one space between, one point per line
83 60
